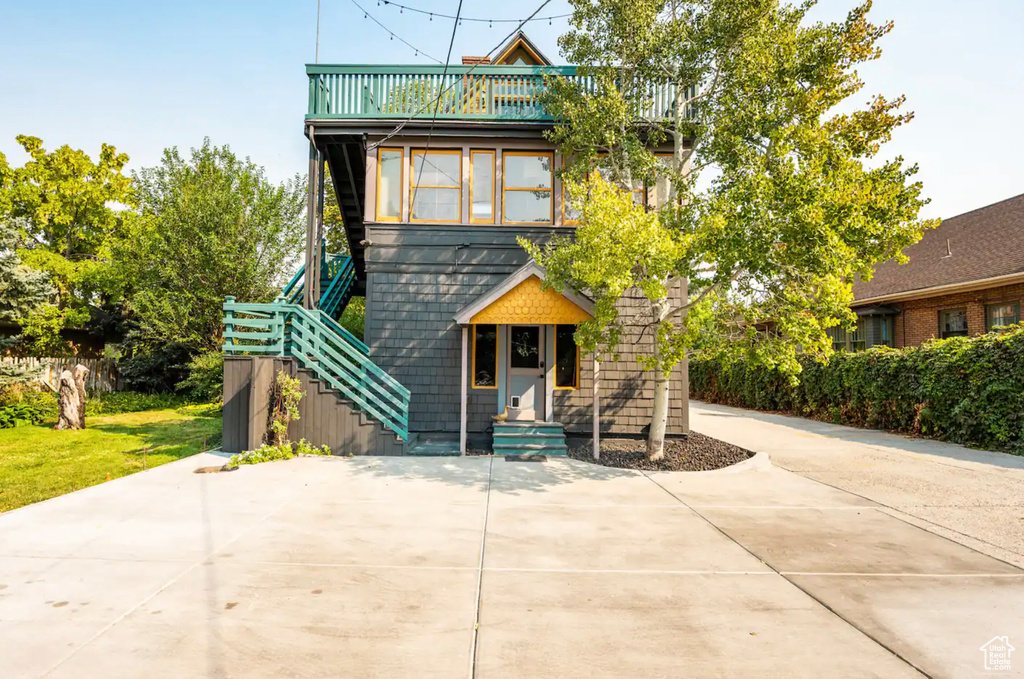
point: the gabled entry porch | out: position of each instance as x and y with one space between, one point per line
517 338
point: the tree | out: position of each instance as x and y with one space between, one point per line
23 291
66 209
771 201
208 226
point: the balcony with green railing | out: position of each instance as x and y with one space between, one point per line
471 93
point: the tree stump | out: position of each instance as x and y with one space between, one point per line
71 398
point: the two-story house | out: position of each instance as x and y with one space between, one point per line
437 171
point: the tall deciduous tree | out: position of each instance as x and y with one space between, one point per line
23 291
209 225
771 200
67 209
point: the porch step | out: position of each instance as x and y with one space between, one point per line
529 438
433 446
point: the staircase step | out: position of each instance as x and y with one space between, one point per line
528 439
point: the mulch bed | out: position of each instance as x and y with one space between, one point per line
695 453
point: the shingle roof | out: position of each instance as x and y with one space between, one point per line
983 243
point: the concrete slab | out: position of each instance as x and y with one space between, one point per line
236 620
610 538
938 623
774 488
592 625
570 482
377 533
843 541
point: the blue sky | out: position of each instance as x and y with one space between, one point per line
146 75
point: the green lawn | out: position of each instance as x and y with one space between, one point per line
37 462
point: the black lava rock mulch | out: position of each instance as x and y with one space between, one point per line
695 453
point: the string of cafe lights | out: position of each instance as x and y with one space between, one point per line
394 36
402 8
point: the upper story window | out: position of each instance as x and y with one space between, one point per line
527 182
436 186
390 167
481 187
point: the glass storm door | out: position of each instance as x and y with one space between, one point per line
526 372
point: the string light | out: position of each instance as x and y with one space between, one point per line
391 34
402 8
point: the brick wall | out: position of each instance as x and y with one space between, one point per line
918 320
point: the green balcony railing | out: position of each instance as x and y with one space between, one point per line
500 93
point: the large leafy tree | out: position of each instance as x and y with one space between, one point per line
209 225
772 200
67 207
23 291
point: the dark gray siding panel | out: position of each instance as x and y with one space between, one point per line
324 417
419 277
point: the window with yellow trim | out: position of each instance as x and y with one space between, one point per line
390 164
481 187
485 356
571 209
527 179
663 186
567 358
436 186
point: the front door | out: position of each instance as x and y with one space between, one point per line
526 372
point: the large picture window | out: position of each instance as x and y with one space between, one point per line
481 187
436 186
953 323
390 162
485 356
527 179
567 358
998 316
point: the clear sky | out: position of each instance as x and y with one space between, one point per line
145 75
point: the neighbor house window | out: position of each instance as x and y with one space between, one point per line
485 356
838 337
953 323
998 316
858 338
481 187
567 358
436 186
390 163
886 335
526 180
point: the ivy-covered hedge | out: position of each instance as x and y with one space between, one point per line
965 390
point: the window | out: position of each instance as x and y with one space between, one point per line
953 323
571 213
389 184
526 180
998 316
481 187
436 186
485 356
858 341
524 347
838 336
662 185
567 358
886 333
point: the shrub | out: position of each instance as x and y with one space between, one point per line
964 390
283 451
205 381
23 404
116 402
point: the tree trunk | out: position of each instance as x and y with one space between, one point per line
71 399
659 416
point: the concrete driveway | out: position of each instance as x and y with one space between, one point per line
478 567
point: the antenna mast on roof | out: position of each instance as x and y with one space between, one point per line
316 54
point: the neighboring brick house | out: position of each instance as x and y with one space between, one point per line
964 278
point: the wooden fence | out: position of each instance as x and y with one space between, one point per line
102 371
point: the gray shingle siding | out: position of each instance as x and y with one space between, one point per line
419 277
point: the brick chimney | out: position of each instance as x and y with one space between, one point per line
472 61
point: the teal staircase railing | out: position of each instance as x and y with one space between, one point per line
337 283
322 346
